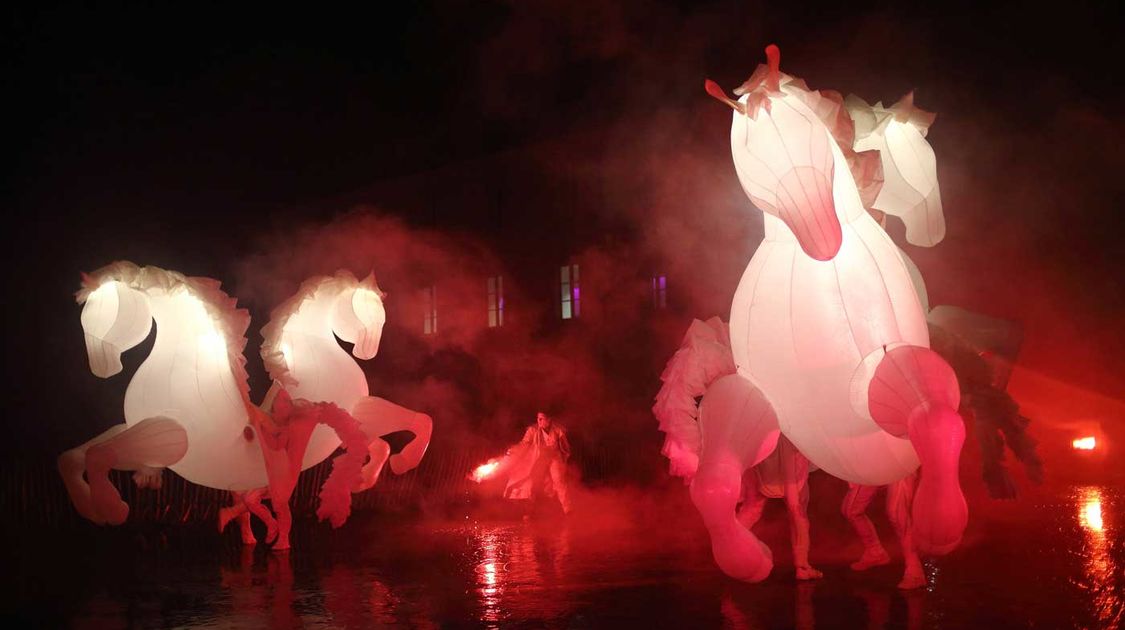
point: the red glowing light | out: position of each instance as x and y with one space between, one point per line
1084 444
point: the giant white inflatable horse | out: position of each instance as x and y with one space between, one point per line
186 407
828 335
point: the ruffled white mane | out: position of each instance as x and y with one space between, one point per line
703 357
231 321
272 355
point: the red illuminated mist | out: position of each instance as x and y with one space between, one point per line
628 174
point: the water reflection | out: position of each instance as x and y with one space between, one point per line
516 568
1055 564
1102 572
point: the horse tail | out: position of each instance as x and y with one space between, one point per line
704 356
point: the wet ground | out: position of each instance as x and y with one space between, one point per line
625 558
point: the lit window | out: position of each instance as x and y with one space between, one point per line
429 320
495 301
659 292
571 297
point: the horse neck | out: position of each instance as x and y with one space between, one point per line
178 343
309 333
845 194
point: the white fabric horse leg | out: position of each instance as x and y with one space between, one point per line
900 496
854 508
378 417
378 451
72 469
156 442
915 394
739 429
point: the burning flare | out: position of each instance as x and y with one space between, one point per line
1084 444
485 470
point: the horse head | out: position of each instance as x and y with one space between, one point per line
114 318
909 169
781 140
359 316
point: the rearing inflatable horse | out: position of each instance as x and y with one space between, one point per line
828 334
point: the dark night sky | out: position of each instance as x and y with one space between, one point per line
184 132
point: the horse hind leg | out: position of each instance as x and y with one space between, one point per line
914 394
739 428
378 417
156 442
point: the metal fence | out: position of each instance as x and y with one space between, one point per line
32 493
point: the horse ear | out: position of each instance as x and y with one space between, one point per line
905 111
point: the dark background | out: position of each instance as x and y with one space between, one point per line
262 145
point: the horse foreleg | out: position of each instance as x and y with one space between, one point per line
739 428
900 496
378 452
378 417
156 442
72 469
914 394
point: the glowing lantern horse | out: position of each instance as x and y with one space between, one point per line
828 335
188 403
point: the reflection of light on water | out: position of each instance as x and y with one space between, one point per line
489 578
1101 567
515 566
1092 515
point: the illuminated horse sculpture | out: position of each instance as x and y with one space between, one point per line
828 336
895 173
187 407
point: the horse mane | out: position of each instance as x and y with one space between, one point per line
703 357
272 356
222 308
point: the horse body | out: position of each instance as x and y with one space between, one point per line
801 330
300 351
314 366
187 377
827 331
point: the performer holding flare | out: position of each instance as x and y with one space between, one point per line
536 466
